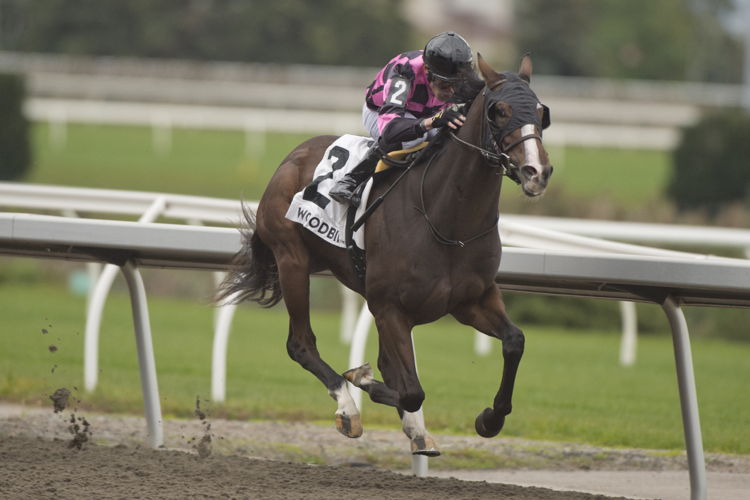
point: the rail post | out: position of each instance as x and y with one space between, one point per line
95 307
688 398
145 347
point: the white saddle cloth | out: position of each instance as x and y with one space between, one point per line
315 210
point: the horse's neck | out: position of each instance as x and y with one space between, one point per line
463 187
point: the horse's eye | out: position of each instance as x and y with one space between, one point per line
491 112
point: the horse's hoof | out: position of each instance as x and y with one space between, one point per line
487 424
362 375
424 446
349 425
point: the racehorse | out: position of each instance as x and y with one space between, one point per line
432 249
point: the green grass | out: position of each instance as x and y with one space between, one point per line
625 176
224 164
570 386
199 162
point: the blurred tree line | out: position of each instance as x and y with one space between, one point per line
15 144
711 170
665 39
338 32
646 39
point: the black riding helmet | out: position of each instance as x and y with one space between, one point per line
447 56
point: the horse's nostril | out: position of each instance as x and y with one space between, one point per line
529 172
549 172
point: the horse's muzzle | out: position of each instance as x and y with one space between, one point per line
534 179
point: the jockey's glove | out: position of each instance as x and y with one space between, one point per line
446 116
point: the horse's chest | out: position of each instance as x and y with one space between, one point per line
435 286
426 278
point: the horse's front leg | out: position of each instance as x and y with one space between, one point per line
489 317
398 366
396 355
422 443
301 345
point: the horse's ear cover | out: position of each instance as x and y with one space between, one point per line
546 120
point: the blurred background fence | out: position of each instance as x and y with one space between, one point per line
312 98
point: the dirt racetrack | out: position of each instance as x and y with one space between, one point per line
39 468
228 459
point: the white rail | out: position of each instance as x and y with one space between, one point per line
163 117
640 232
119 202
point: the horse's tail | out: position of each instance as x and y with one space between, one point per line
254 274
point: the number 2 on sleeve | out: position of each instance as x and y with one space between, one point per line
398 91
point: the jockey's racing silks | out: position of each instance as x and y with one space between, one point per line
401 87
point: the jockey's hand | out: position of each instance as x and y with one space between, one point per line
448 116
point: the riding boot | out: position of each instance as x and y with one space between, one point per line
344 190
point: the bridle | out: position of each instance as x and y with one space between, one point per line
496 159
499 158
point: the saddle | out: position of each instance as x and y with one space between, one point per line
401 158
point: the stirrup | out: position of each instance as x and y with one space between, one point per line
346 191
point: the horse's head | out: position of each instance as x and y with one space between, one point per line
515 119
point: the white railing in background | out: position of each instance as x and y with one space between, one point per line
257 122
118 202
236 84
646 233
257 98
162 118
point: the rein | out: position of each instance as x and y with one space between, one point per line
499 160
439 237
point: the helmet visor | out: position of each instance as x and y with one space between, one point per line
442 82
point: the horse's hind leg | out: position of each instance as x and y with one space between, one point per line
294 279
489 317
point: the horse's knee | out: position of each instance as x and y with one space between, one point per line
411 401
513 342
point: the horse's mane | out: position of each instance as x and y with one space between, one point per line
468 89
463 96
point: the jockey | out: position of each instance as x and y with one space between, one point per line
407 102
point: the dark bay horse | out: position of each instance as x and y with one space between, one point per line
432 249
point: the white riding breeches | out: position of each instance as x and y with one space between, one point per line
370 122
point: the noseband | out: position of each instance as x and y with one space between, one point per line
498 158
